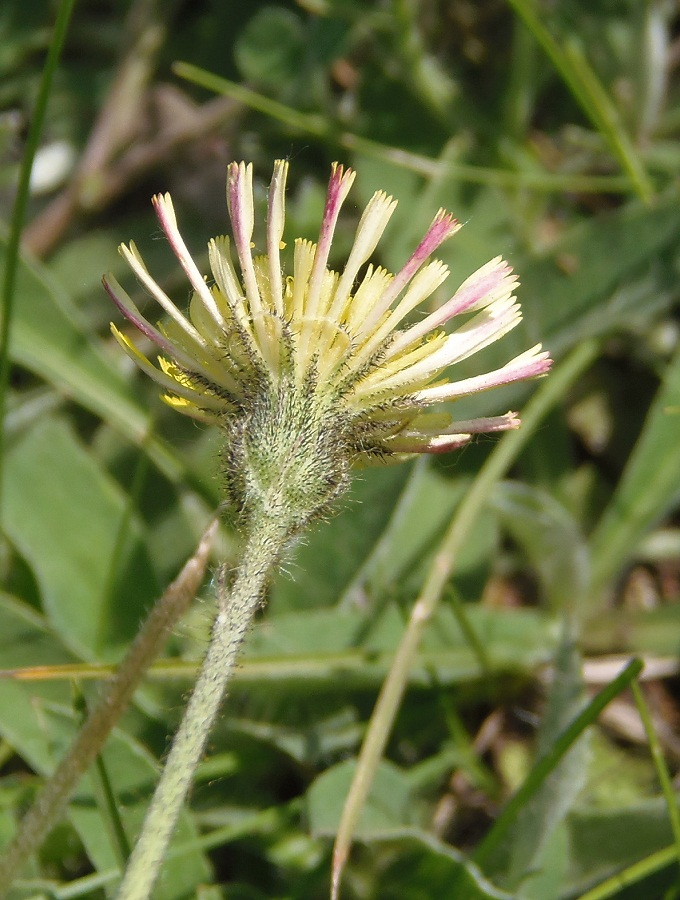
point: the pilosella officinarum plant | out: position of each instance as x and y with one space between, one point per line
308 374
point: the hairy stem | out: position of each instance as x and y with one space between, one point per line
238 603
50 803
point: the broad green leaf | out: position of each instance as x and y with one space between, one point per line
389 805
333 649
422 867
550 538
310 742
69 520
26 638
35 721
654 631
609 272
548 877
270 47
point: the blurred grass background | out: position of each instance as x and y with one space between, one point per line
551 130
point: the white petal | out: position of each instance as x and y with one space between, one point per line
527 365
168 220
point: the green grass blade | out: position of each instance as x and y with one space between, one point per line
630 876
659 764
422 165
586 88
547 763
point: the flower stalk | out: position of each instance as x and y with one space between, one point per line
237 605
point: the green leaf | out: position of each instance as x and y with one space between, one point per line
334 650
604 841
404 550
68 519
389 805
421 867
649 487
609 272
590 94
551 540
37 722
269 48
26 637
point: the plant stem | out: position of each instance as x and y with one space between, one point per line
50 802
237 605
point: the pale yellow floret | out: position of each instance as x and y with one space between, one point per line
303 260
166 381
187 408
402 373
227 282
320 329
212 334
373 285
246 196
313 298
310 344
421 287
134 260
243 241
476 336
164 204
181 377
209 365
329 285
369 231
275 222
330 344
507 284
503 290
165 201
269 329
261 266
401 280
431 422
188 353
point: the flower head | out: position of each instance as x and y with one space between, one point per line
323 353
